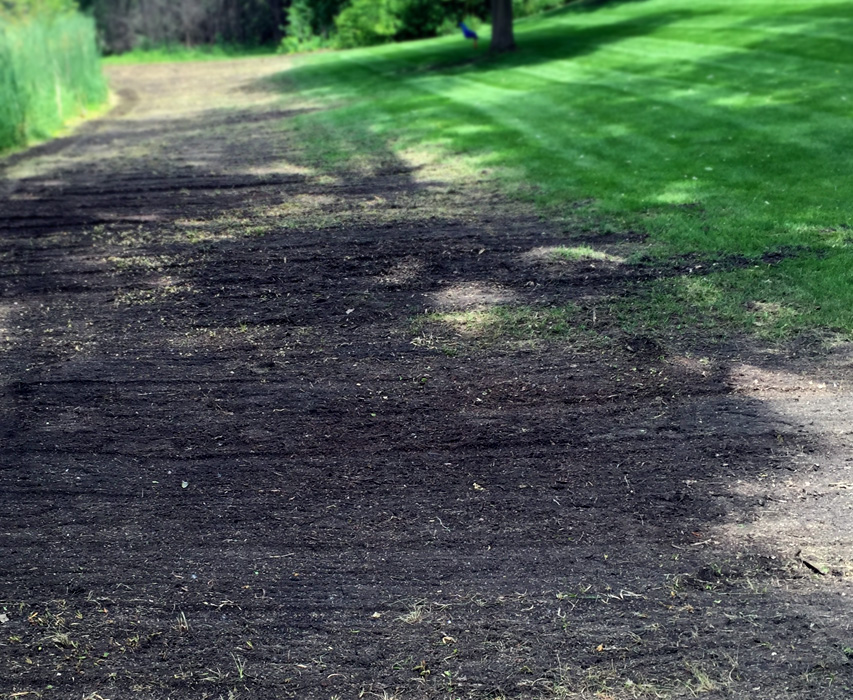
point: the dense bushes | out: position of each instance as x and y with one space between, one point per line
49 71
314 24
310 24
365 22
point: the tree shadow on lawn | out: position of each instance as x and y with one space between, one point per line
416 58
698 155
224 444
706 98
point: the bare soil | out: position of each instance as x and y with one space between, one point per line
240 461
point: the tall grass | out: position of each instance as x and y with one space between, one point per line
49 73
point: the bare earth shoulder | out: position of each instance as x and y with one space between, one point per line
241 460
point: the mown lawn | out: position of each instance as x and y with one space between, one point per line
720 129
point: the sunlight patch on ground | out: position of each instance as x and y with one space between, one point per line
471 295
680 191
751 379
134 218
280 167
809 515
472 323
302 204
181 95
572 254
434 166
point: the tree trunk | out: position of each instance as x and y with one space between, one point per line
502 35
277 19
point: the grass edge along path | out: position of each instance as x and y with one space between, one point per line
717 130
178 53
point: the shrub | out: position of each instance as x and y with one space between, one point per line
366 22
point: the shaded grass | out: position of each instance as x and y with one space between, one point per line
772 301
717 128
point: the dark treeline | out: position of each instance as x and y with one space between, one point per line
295 24
127 24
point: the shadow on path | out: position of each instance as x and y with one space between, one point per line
231 463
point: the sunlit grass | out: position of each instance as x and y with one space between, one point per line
720 129
513 322
50 74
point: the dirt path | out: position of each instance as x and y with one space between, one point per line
232 466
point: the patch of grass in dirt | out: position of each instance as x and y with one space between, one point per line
610 680
714 128
489 325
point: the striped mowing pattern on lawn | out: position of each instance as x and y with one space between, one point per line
720 128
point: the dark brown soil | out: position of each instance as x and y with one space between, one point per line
235 463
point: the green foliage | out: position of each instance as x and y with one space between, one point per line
369 22
719 130
323 13
421 18
366 22
49 73
301 21
306 29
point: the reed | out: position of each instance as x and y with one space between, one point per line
50 73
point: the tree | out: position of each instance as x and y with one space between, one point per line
124 24
503 38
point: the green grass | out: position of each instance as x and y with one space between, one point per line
50 74
721 129
512 322
173 53
583 252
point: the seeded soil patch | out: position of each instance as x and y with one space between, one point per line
245 454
